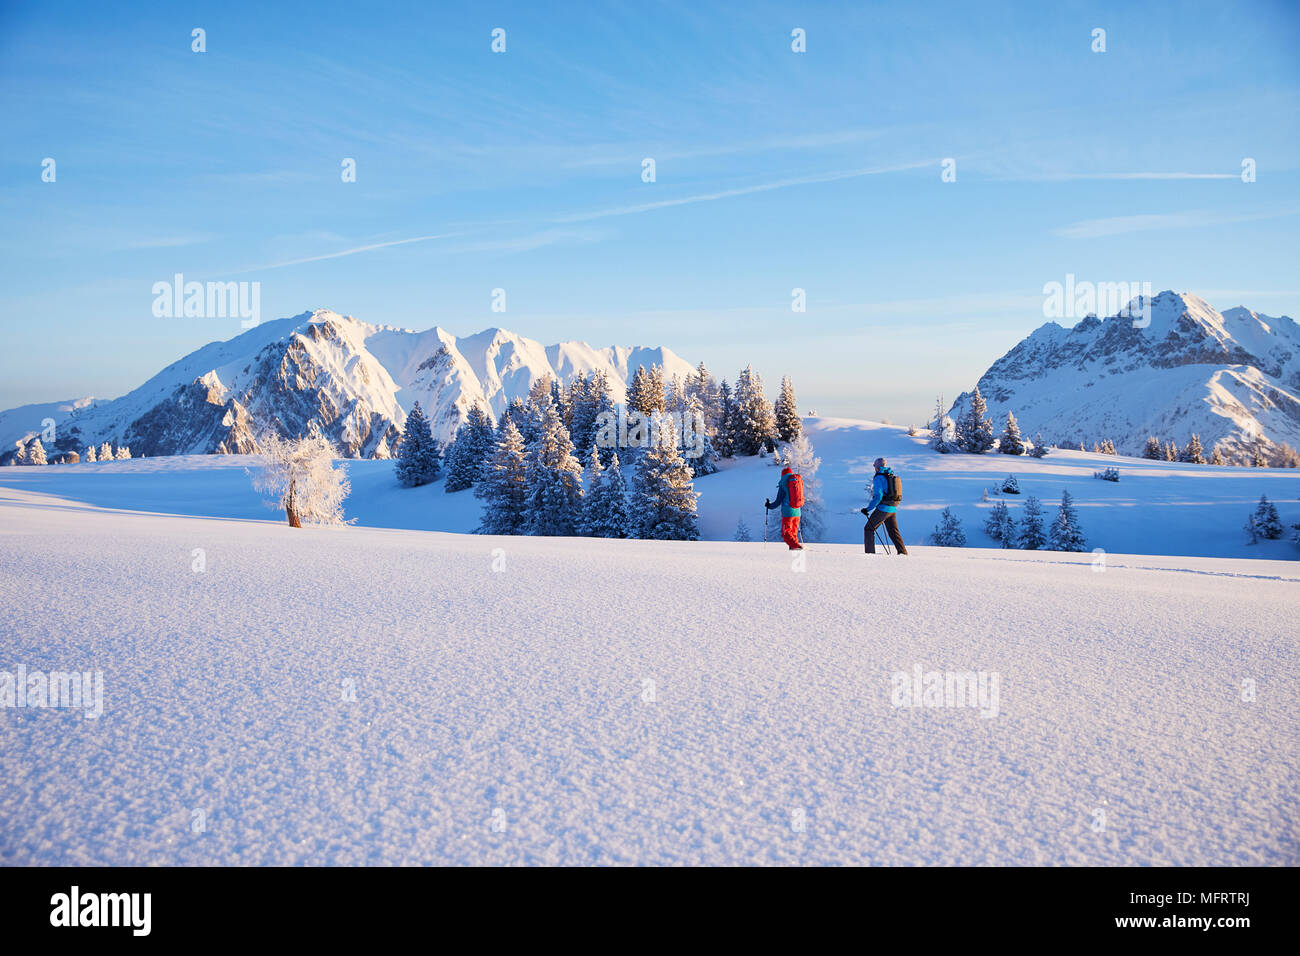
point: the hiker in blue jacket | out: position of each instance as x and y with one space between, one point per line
886 493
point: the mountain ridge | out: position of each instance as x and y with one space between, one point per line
353 378
1231 377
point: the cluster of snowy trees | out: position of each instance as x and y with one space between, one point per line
537 487
1193 453
107 453
570 461
1029 533
29 453
33 453
1264 522
974 434
530 475
1282 455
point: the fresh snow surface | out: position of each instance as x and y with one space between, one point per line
1156 508
507 716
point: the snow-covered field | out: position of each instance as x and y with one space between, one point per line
393 696
1155 508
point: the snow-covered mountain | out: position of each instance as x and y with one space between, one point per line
354 379
1231 377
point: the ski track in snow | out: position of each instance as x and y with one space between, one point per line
517 696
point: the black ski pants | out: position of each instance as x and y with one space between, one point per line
890 520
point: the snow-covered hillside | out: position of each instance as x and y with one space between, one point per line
273 696
354 379
1155 508
1231 377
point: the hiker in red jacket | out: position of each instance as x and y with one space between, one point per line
789 498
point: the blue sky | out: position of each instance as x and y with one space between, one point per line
775 170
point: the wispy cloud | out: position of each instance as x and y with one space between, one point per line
742 191
1067 177
506 244
352 252
1118 225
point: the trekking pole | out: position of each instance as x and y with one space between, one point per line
882 542
765 526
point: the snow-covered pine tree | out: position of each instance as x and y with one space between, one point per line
742 530
1011 486
1108 447
456 463
1011 443
702 387
605 508
755 422
786 413
90 453
638 392
36 453
557 399
541 391
1257 459
299 473
1216 457
590 486
20 455
1066 533
657 388
105 452
553 480
1152 450
1040 446
1252 529
583 399
664 497
996 521
1194 454
1267 521
481 440
948 532
1008 534
467 456
943 431
574 395
725 439
975 430
516 411
123 453
418 455
1171 451
1032 536
802 458
697 429
503 488
535 409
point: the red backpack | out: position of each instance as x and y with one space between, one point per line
794 491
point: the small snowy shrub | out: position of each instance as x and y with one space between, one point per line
948 532
1267 523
